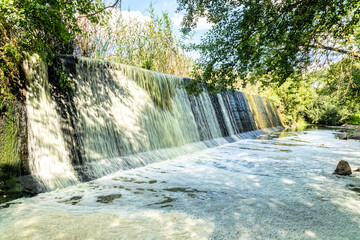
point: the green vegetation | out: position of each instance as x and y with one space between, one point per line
302 54
9 147
309 99
291 98
354 120
271 37
149 44
47 28
10 168
323 110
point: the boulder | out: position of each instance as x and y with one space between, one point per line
343 168
343 136
357 170
356 135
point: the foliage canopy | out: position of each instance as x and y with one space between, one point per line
281 38
43 26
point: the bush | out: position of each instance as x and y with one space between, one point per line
324 110
353 119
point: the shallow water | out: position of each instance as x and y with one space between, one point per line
268 188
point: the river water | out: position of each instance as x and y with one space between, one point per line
279 186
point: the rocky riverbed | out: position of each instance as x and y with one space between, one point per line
348 131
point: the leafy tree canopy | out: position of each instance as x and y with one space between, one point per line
262 37
45 27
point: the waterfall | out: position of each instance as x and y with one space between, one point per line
49 159
120 117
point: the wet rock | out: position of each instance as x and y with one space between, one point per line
343 168
30 184
73 201
357 170
343 136
108 199
356 135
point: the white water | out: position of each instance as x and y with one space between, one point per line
49 159
250 189
122 117
118 117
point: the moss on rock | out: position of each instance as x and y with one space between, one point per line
9 147
10 165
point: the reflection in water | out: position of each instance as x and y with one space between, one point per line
353 187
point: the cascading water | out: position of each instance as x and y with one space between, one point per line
49 159
123 117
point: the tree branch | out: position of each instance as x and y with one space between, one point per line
347 52
101 10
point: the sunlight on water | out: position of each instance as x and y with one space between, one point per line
49 159
124 225
233 191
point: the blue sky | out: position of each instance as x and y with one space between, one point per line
141 5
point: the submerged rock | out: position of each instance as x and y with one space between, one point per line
108 199
343 168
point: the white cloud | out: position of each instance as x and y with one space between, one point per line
202 23
135 15
128 16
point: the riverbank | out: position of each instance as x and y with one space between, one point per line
348 131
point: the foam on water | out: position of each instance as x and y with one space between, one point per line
280 188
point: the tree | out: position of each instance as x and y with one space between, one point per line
45 27
267 37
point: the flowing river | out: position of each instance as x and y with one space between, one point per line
278 186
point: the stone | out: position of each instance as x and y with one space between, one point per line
356 135
108 199
357 170
343 136
343 168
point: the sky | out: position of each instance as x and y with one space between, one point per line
139 9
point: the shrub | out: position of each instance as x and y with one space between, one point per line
325 110
353 119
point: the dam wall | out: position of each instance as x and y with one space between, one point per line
118 117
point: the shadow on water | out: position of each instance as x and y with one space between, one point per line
353 187
302 209
248 199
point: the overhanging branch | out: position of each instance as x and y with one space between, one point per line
101 10
335 49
